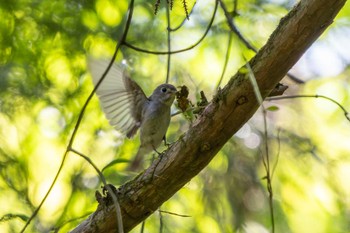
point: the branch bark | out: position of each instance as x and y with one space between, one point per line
226 113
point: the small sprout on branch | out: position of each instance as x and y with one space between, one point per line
278 90
201 104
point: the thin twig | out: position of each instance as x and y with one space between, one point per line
175 214
168 44
347 116
142 227
160 221
278 153
235 3
295 78
180 50
227 58
234 28
47 193
57 228
266 160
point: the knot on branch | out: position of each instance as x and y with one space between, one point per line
242 100
205 147
105 199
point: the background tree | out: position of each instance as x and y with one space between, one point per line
44 85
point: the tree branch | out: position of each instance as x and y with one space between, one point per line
226 113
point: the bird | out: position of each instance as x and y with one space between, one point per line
128 109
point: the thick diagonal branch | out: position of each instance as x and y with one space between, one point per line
226 113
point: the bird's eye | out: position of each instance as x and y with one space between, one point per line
163 89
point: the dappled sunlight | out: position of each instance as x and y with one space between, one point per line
58 70
254 227
110 12
90 19
51 122
325 197
56 200
99 45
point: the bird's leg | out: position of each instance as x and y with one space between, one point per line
160 159
165 142
164 138
155 150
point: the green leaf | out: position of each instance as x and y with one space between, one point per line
116 161
272 108
243 70
8 217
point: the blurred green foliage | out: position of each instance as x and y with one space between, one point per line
44 84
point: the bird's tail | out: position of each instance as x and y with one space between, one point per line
137 163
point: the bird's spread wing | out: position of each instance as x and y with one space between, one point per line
121 98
